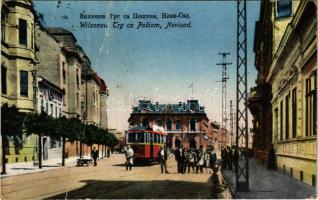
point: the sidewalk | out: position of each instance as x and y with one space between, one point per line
266 184
14 169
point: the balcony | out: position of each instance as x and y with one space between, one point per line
255 99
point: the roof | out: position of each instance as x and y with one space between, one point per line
191 106
139 128
60 31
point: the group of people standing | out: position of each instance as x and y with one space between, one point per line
195 159
230 157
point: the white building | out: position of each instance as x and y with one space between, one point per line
50 100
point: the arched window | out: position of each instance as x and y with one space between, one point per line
178 125
192 124
159 122
169 125
145 123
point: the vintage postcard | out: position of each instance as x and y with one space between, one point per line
212 99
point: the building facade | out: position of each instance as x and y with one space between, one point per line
17 69
71 68
185 123
291 78
218 137
50 101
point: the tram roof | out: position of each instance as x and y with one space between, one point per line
140 128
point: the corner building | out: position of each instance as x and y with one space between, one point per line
185 123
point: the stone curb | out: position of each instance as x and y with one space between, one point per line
228 185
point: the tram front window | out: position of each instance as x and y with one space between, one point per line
136 137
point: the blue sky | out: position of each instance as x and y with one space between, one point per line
158 64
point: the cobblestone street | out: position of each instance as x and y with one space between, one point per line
110 180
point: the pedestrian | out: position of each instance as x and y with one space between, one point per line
271 158
94 155
230 158
162 155
206 159
129 158
179 156
224 157
191 160
213 159
108 152
186 160
236 157
200 161
183 160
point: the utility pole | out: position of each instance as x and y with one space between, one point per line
242 183
225 77
231 122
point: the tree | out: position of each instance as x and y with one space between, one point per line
11 124
40 124
70 129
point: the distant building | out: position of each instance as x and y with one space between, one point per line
284 103
94 96
218 137
185 123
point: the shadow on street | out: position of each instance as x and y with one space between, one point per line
159 189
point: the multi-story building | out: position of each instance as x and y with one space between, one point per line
70 64
17 64
50 100
17 53
286 59
185 123
94 95
218 137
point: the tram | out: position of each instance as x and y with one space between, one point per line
145 142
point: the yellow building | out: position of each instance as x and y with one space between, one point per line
17 53
293 78
17 64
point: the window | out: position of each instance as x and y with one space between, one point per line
3 80
145 123
169 125
77 100
51 109
64 73
136 137
23 83
276 123
287 117
178 125
77 78
159 122
294 112
281 120
283 8
192 124
3 26
22 32
42 103
311 105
